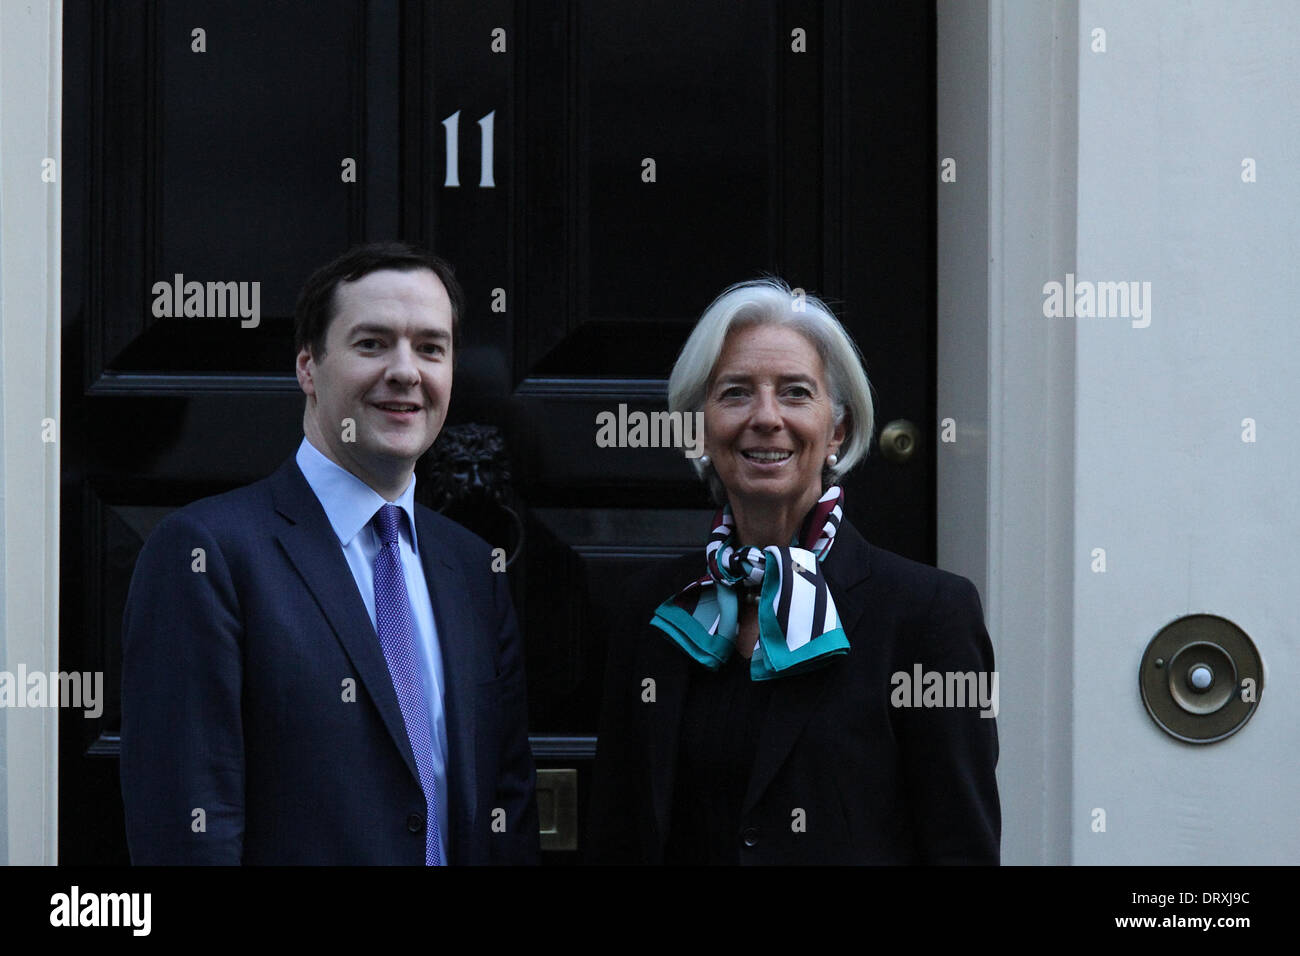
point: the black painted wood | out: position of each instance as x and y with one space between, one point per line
225 166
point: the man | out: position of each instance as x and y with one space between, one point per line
317 670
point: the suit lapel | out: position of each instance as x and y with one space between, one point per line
313 549
794 699
457 630
846 568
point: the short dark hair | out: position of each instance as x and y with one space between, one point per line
315 308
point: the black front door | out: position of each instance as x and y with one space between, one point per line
597 171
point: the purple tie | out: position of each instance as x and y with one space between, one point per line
396 627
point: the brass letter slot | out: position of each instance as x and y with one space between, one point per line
557 808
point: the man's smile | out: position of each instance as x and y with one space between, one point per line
399 411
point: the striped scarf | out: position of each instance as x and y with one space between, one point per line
798 626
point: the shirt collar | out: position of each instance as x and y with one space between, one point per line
349 502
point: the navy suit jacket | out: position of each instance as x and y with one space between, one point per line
259 720
877 784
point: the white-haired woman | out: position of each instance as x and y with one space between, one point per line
753 711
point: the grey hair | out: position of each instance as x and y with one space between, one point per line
771 300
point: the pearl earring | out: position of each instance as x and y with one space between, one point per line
832 460
705 461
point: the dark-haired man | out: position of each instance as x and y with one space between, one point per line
315 668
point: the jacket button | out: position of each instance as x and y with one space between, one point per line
415 823
750 836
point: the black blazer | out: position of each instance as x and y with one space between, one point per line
256 691
877 784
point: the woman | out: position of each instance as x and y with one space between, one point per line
748 714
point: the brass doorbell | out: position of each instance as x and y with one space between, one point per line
1201 678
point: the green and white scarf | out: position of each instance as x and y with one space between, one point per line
798 626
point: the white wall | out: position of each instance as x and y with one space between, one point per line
1192 518
1116 166
30 109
